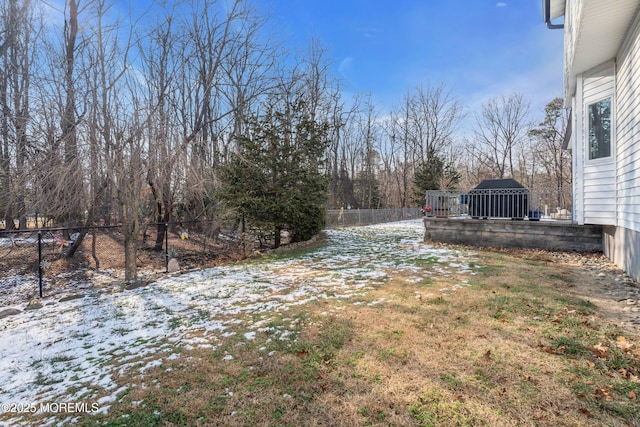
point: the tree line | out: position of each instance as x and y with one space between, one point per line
194 110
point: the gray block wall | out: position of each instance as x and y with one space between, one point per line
514 234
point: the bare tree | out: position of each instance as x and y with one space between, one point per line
59 104
69 121
160 53
435 115
472 167
389 149
127 171
548 137
367 187
348 140
337 191
501 128
16 58
399 130
245 77
422 127
202 77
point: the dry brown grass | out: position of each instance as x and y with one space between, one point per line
513 349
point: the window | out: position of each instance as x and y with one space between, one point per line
600 129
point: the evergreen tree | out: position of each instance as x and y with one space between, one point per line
275 180
434 174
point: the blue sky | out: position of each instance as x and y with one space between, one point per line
479 48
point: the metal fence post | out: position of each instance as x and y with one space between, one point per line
166 248
40 262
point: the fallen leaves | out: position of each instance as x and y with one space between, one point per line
551 350
602 393
628 375
586 412
600 351
623 344
565 311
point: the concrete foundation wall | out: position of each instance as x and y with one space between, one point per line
622 246
515 234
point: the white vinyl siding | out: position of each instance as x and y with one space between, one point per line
628 132
576 159
599 185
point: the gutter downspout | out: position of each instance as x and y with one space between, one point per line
546 7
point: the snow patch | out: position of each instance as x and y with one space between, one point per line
47 353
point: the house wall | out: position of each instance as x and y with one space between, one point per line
622 246
622 243
628 135
606 191
599 175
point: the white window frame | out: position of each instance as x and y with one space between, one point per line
585 128
588 129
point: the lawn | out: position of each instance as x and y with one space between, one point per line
369 327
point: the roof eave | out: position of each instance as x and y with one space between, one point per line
595 36
556 8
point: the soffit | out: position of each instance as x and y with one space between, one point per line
597 34
556 8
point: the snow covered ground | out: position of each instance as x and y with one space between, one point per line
70 351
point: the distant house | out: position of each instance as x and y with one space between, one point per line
602 88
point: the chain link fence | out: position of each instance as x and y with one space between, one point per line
37 263
354 217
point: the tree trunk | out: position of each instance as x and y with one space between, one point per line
163 218
277 237
130 254
130 228
161 229
93 249
76 243
73 186
129 209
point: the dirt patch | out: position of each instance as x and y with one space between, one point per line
594 277
590 275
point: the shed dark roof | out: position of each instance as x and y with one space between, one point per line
492 184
